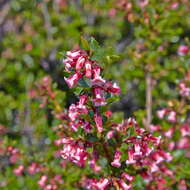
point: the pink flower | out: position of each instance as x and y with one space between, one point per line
73 54
172 116
185 130
123 185
80 62
98 121
137 148
116 163
131 159
50 187
75 152
81 108
19 171
174 5
132 122
182 185
98 81
73 79
143 3
42 181
169 133
166 171
58 179
94 166
156 157
73 112
112 12
127 177
33 168
184 90
161 113
166 155
183 50
112 88
153 167
183 143
146 176
76 110
99 99
102 184
110 134
171 146
108 113
87 127
88 69
155 127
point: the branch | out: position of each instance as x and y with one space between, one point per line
48 24
148 100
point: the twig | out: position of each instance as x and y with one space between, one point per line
4 12
148 99
48 24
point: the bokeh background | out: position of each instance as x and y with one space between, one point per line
151 41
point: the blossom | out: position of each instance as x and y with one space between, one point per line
80 62
184 90
88 69
99 99
42 181
19 171
161 113
73 79
131 159
75 152
172 116
185 130
154 128
94 165
98 121
127 177
169 133
112 88
183 50
116 163
33 168
102 184
110 134
123 185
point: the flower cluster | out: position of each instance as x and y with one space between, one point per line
50 183
74 151
101 137
168 113
184 89
78 63
177 134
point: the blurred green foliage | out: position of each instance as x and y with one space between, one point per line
33 36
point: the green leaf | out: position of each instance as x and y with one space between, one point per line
94 44
78 90
103 162
92 138
84 43
112 99
84 83
98 55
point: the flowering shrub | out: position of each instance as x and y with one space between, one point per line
113 153
177 132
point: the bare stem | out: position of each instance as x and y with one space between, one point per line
148 100
47 19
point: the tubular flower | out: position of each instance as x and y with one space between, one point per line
75 152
